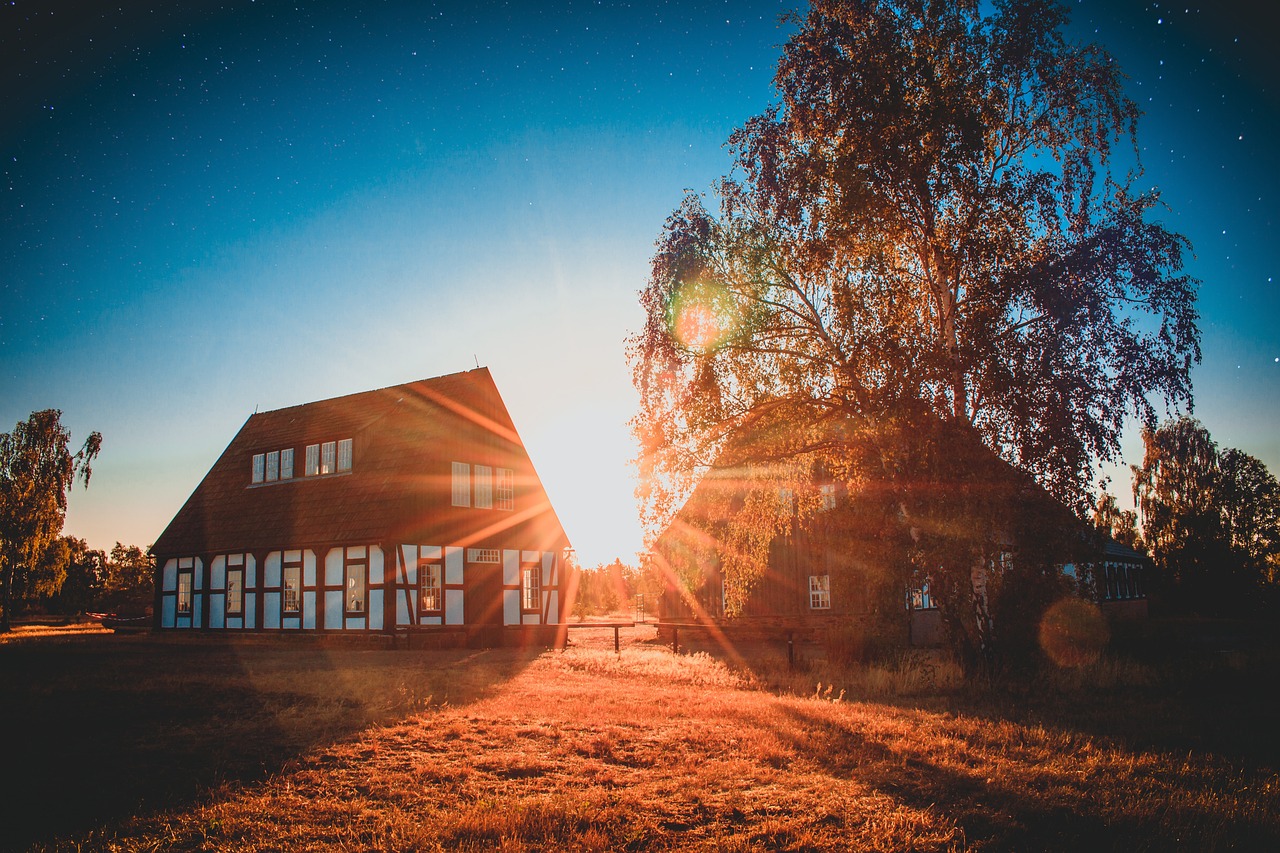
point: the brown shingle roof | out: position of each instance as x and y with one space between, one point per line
404 440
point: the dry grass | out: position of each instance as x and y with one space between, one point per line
587 750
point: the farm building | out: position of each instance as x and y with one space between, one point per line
832 568
413 508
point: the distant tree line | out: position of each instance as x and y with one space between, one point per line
39 567
613 587
1210 520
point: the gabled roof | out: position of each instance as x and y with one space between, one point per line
399 489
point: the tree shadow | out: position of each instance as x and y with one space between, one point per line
107 728
1021 811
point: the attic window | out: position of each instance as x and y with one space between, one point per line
484 487
272 466
482 555
461 484
331 457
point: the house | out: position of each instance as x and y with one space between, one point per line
833 569
413 508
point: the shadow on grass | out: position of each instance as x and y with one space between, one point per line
106 728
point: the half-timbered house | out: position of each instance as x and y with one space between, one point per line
413 508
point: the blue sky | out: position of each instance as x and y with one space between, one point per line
208 208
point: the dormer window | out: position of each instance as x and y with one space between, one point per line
330 457
272 466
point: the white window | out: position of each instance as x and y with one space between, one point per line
328 454
786 500
531 588
313 460
286 464
235 592
184 591
827 496
431 599
461 484
506 489
482 555
484 487
355 587
819 592
273 465
292 599
259 461
344 455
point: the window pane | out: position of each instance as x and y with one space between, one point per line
484 486
355 588
235 592
344 455
328 451
286 463
819 592
461 484
506 488
184 592
258 463
273 465
292 589
429 579
313 460
531 588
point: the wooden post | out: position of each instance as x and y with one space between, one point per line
791 650
616 650
675 639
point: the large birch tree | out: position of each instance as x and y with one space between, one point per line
938 239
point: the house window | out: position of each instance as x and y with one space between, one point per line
482 555
430 597
827 496
506 488
786 500
313 460
259 463
235 592
461 484
531 589
328 457
286 464
291 600
819 592
185 577
344 455
484 487
354 596
273 465
921 598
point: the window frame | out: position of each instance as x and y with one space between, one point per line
820 592
827 497
483 486
345 449
286 463
294 607
430 570
185 597
485 556
531 588
328 458
461 483
257 472
504 489
355 569
312 463
235 602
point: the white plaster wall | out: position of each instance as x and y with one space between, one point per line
454 612
453 565
511 607
333 569
271 603
169 577
511 571
271 572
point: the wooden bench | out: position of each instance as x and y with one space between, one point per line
614 625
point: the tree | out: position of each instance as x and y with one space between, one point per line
1109 520
926 246
1210 519
85 570
36 471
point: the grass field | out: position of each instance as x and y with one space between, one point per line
136 743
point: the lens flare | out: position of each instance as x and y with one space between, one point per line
1073 632
702 316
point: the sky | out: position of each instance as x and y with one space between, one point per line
214 208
